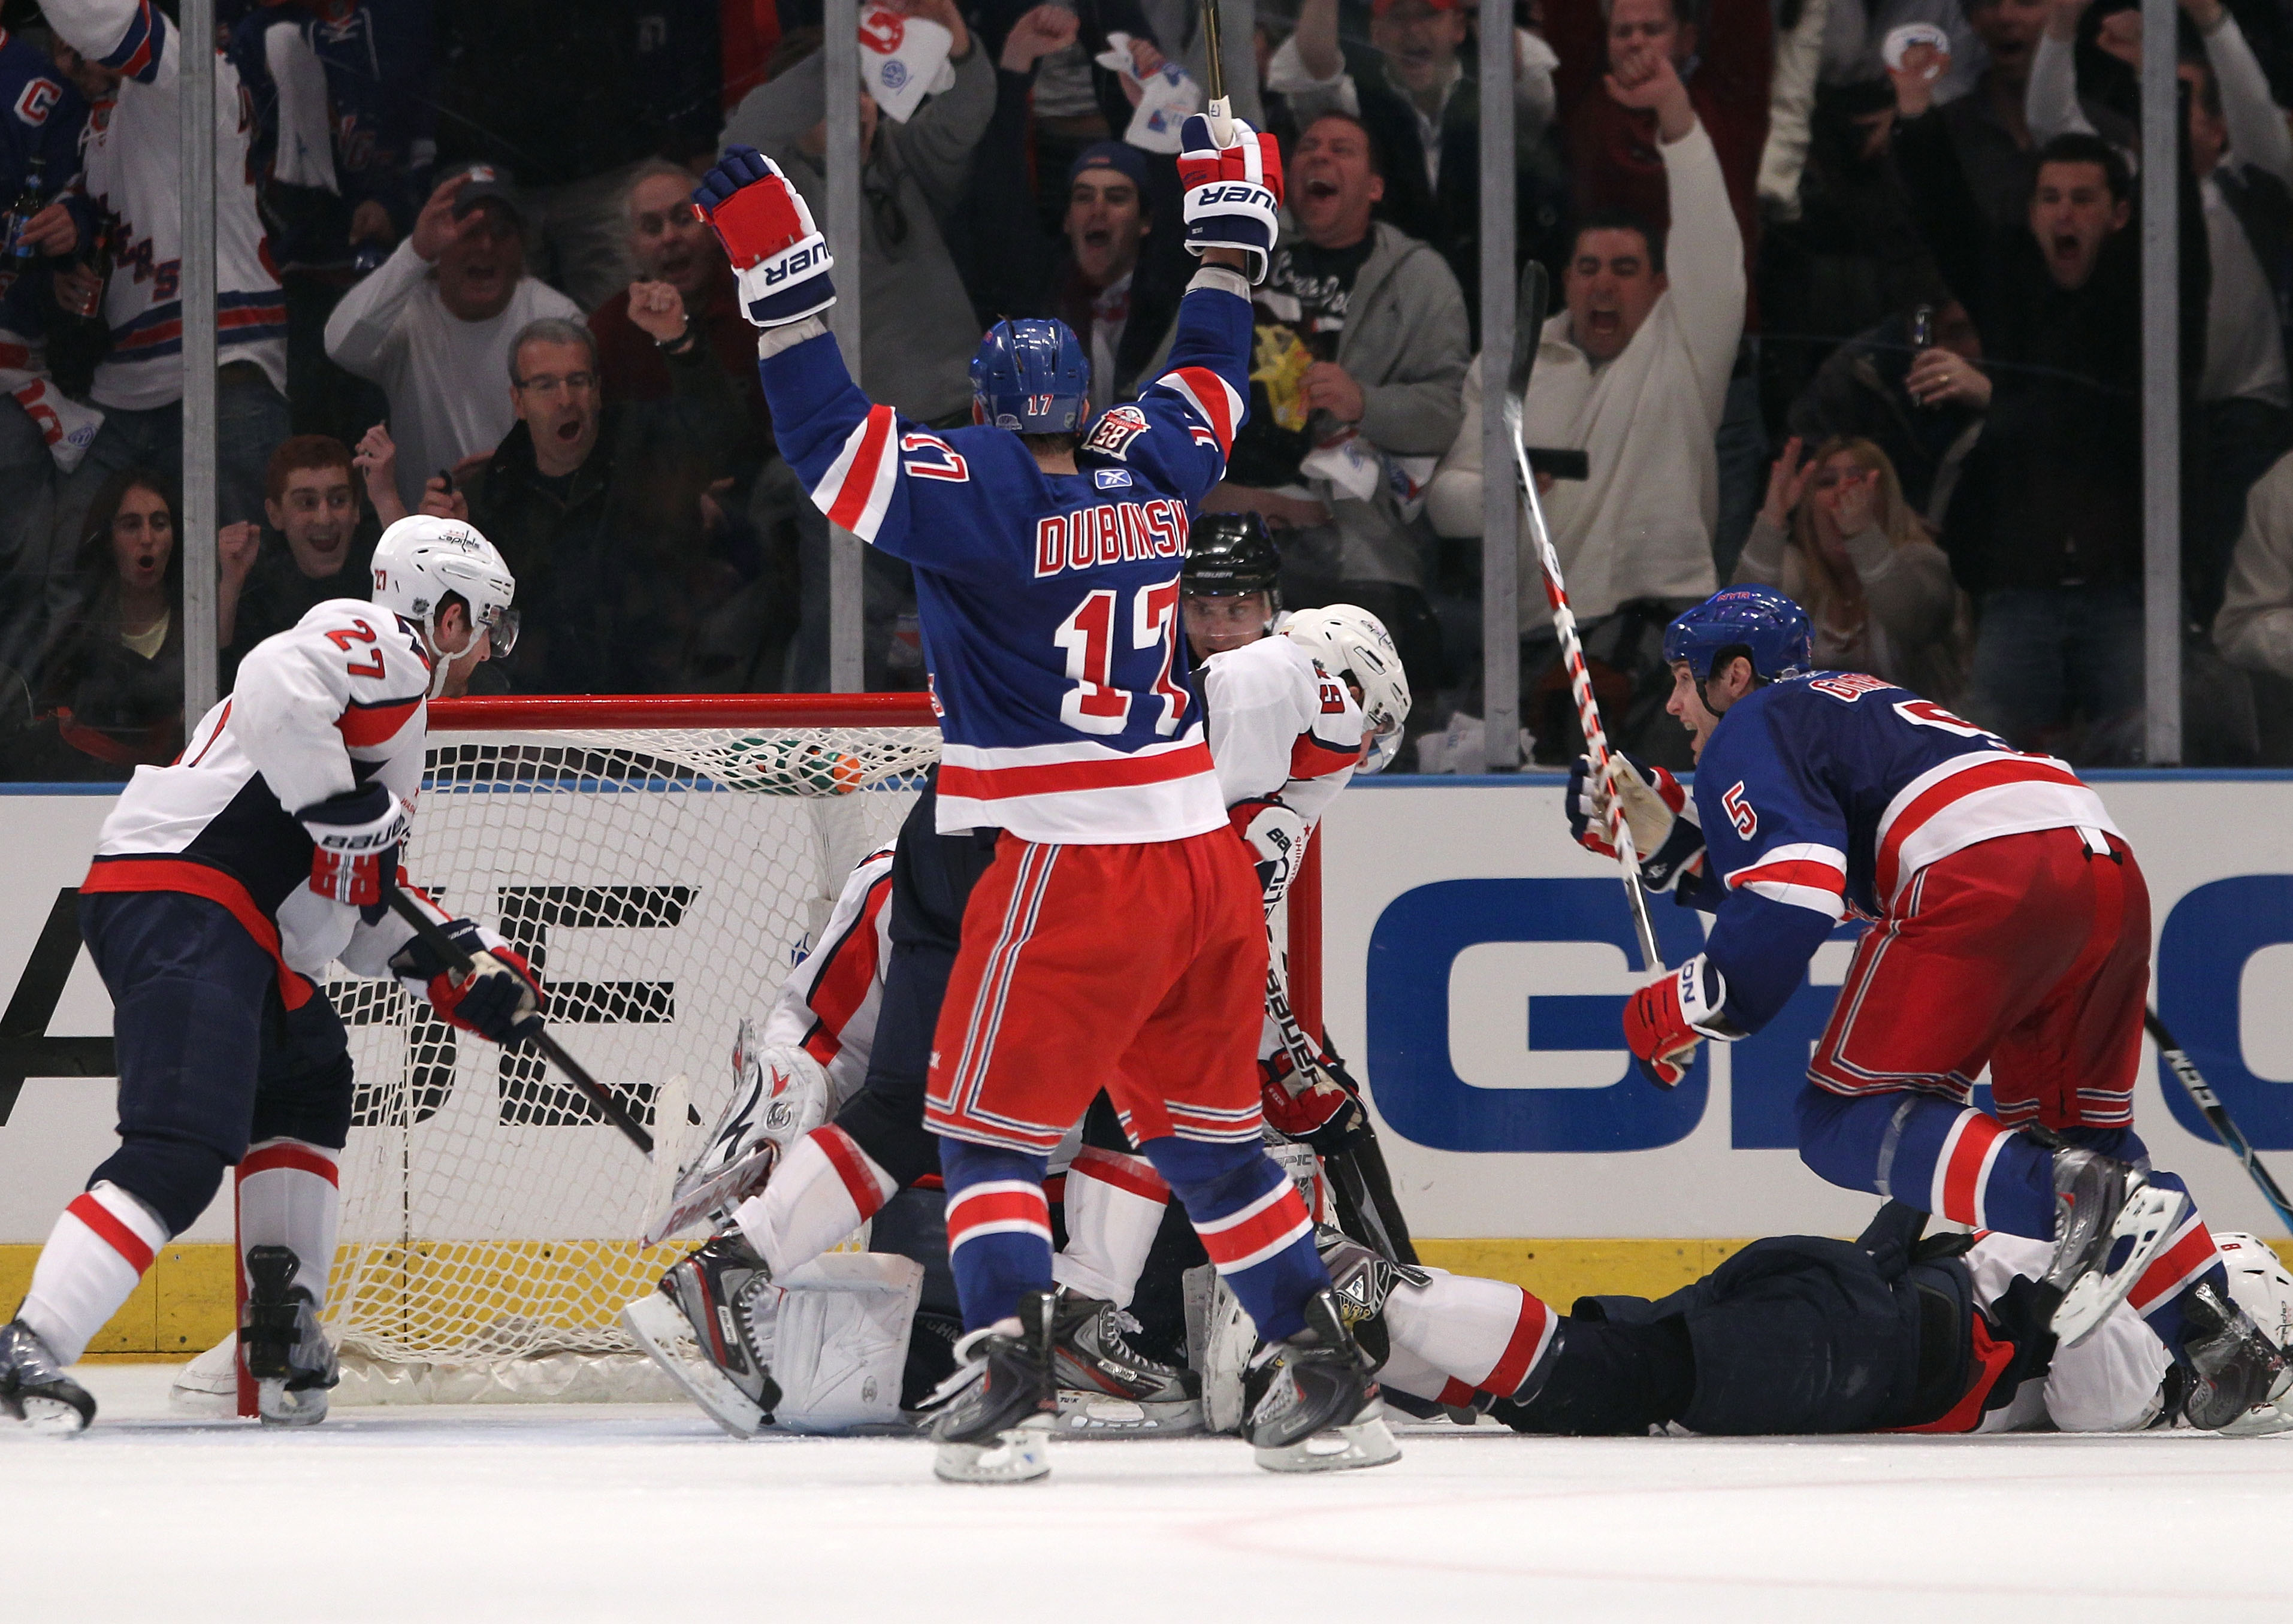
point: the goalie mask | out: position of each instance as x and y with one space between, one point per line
420 560
1353 646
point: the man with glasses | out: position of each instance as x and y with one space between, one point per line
597 508
433 324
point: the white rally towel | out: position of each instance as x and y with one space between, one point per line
306 149
1165 97
903 59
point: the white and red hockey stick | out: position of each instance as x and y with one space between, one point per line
1530 319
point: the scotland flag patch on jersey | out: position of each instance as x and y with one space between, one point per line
1109 478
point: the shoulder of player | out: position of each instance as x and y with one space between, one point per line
1273 668
377 650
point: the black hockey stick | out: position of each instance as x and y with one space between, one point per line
459 960
2178 1061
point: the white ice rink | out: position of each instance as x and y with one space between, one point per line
638 1513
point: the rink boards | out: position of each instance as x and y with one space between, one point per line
1476 962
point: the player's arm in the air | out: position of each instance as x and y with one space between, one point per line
130 37
1777 855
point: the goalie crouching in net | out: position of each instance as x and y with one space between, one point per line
1288 719
223 885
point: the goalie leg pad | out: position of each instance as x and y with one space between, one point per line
1115 1206
836 1334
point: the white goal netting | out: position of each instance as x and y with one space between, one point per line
662 881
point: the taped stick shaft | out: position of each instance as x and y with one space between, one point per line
2208 1104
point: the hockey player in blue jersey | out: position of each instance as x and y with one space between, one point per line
2010 927
1117 940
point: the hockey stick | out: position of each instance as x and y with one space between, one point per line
1530 326
2178 1061
463 965
1220 109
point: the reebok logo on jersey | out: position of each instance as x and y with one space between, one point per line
1111 533
1108 478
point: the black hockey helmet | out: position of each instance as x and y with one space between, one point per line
1228 555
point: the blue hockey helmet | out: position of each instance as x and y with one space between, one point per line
1031 375
1757 621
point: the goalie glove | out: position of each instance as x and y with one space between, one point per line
1321 1108
353 834
1276 836
1233 192
500 1000
782 260
1665 832
1666 1020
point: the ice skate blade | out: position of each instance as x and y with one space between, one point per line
1338 1449
2149 1217
1101 1415
2259 1421
1019 1455
47 1418
278 1407
666 1335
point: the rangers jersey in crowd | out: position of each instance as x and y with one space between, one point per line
827 1007
44 120
1825 794
1049 602
1281 728
336 703
132 173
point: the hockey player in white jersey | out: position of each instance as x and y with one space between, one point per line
222 886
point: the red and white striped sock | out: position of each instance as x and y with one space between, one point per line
2173 1271
826 1189
289 1194
1485 1334
1115 1206
101 1245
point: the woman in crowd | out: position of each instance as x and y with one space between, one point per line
1836 534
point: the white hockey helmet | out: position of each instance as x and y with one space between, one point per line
421 559
1353 646
2260 1284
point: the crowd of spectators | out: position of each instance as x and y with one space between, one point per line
1848 302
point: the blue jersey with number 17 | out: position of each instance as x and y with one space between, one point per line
1830 794
1049 602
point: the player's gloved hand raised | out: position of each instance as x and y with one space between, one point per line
1276 836
354 834
1665 833
500 1000
780 259
1233 191
1322 1107
1666 1020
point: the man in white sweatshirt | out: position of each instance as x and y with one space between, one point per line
433 326
1634 373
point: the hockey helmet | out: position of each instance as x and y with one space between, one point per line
2259 1282
421 559
1758 621
1229 555
1030 375
1353 646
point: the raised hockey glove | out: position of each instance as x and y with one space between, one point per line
1233 192
354 835
1665 831
500 1000
1322 1107
1276 836
1666 1020
780 260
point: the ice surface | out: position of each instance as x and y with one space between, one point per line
649 1513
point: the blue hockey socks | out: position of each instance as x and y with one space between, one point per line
998 1228
1251 1222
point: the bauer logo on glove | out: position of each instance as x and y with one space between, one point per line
1233 191
780 257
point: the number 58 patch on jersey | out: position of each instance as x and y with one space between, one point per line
1116 428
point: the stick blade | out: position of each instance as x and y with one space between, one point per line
1528 327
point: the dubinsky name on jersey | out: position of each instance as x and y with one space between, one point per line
1049 603
132 173
1827 794
337 702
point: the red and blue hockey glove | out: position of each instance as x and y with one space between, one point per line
500 1000
1665 832
1322 1108
1666 1020
782 260
353 836
1233 192
1276 836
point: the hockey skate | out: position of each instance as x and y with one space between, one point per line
2110 1222
34 1388
992 1417
1108 1388
1310 1403
2236 1369
699 1326
288 1356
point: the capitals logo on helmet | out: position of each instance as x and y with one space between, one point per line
1757 621
1032 377
422 561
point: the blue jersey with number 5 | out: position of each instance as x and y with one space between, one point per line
1828 793
1049 602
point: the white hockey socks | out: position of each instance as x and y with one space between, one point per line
827 1188
289 1194
1488 1336
98 1251
1113 1207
